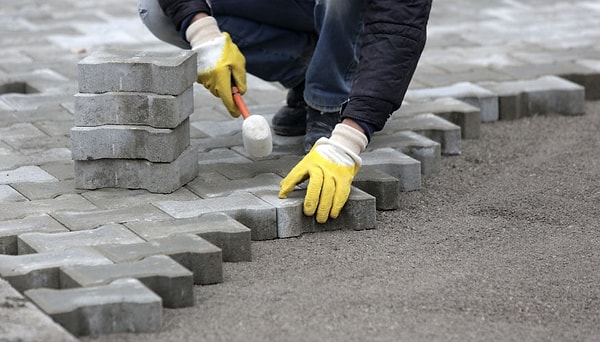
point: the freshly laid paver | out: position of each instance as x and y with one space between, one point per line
222 186
125 305
163 275
10 229
15 210
379 184
419 147
196 254
32 271
28 243
217 228
397 164
26 174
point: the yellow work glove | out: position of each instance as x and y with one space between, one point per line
330 167
219 61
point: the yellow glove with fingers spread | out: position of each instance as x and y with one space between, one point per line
219 61
330 167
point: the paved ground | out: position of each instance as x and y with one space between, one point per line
500 244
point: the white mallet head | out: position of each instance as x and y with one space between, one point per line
256 134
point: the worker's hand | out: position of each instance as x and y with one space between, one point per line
330 166
219 61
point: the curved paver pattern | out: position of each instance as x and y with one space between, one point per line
515 64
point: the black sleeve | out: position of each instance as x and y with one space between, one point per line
392 42
178 10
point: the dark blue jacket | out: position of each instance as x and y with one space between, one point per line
392 42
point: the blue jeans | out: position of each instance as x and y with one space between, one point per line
285 41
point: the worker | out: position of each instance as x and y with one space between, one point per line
347 65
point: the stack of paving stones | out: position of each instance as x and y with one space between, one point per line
108 260
132 121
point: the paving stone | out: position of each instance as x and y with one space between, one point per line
246 208
137 173
169 73
23 174
13 161
417 146
220 155
485 100
32 271
113 198
23 321
31 102
127 108
38 191
14 210
212 187
431 126
589 80
29 243
358 213
61 170
451 109
10 229
280 166
547 94
85 220
196 254
397 164
20 130
159 145
35 81
161 274
381 185
217 228
125 305
8 194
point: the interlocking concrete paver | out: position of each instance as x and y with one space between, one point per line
451 109
163 275
252 212
485 100
547 94
159 145
431 126
37 270
9 230
84 220
43 46
29 243
406 169
23 321
123 108
125 305
217 228
115 70
137 173
196 254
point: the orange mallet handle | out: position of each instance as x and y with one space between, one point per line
239 101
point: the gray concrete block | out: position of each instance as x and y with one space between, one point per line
9 194
475 95
397 164
169 73
29 243
130 108
23 321
589 79
417 146
125 305
458 112
10 229
196 254
213 187
161 274
137 173
39 191
32 271
85 220
246 208
359 213
15 210
432 126
114 198
159 145
381 185
547 94
26 174
291 220
217 228
280 166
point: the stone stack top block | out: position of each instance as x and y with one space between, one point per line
115 70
